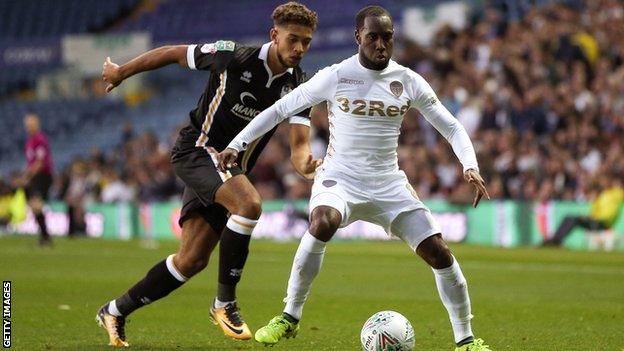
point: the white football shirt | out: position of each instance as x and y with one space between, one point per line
366 108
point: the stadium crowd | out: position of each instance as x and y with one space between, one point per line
138 168
542 99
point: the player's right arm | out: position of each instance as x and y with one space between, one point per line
213 56
318 89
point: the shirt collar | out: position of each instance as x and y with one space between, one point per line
264 54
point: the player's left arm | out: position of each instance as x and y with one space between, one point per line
300 151
453 131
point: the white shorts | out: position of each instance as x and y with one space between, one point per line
389 201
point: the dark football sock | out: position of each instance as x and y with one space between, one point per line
43 228
162 279
233 255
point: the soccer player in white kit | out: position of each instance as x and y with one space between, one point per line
367 96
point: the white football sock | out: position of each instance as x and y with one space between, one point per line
453 292
220 304
112 309
306 265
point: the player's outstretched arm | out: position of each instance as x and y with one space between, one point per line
258 126
304 96
113 74
310 93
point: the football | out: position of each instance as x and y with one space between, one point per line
387 331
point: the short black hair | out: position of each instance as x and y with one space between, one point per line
372 10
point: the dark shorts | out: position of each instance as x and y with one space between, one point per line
198 170
39 186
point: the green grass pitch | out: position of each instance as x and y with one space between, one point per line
523 299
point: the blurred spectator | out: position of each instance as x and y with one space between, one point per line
75 193
115 190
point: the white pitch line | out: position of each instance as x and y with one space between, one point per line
539 267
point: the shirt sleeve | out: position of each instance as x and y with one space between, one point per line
305 120
316 90
211 56
302 117
308 94
426 101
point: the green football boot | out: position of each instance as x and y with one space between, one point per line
475 345
278 328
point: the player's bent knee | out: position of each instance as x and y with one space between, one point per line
324 222
250 207
189 265
239 197
435 252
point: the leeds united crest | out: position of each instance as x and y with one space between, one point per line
396 88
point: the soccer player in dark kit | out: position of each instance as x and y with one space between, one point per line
217 205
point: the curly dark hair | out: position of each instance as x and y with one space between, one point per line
294 13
